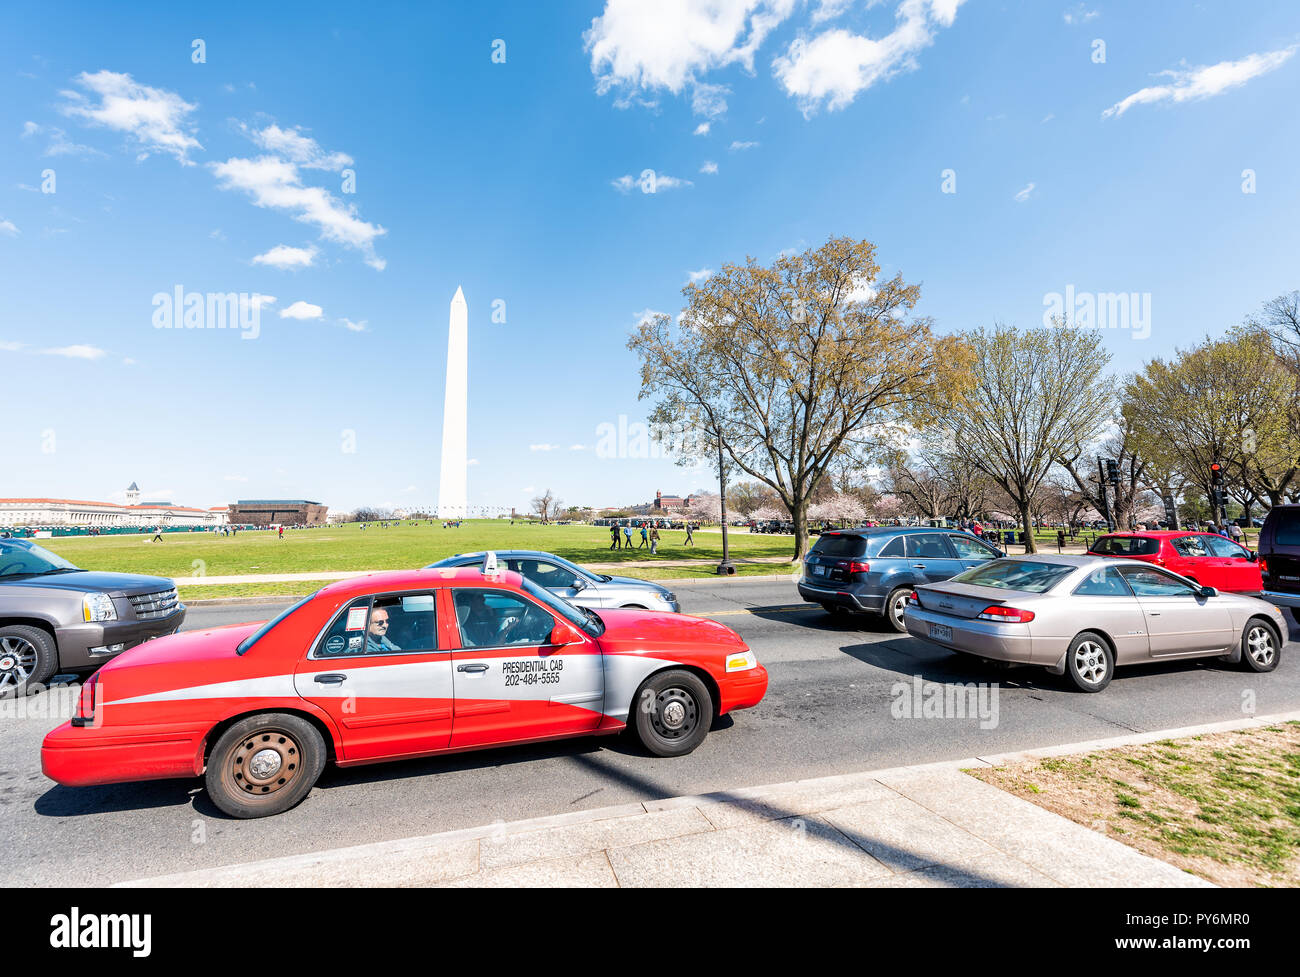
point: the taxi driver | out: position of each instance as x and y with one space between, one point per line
377 642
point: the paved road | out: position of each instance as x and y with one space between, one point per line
828 711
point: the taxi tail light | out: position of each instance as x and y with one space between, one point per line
86 702
1006 615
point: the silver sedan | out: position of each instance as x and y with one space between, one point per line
577 585
1082 616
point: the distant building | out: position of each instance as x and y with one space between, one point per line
69 513
671 503
285 512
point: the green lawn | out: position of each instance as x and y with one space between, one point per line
349 548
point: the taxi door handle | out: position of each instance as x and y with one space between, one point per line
331 678
471 668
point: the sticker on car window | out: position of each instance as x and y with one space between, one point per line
356 618
334 644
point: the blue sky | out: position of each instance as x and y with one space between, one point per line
823 118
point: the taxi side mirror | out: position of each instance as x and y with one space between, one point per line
564 633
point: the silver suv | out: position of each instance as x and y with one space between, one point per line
584 588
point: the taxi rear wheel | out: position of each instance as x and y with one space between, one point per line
264 765
673 713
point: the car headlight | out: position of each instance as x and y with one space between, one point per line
668 597
742 661
98 607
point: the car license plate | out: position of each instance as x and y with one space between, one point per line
941 632
819 571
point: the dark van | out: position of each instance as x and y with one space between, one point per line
1279 557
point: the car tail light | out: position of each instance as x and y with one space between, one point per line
86 702
913 599
1263 565
1006 615
857 566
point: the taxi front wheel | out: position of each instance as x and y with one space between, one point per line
673 712
264 764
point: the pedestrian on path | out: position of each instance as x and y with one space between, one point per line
654 539
690 535
613 536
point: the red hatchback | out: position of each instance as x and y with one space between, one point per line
1210 560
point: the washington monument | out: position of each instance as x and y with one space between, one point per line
452 502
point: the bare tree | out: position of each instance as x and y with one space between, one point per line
1037 392
546 505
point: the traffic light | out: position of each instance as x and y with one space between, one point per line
1218 498
1112 472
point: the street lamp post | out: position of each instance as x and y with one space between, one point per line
726 566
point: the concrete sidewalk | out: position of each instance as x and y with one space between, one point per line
929 825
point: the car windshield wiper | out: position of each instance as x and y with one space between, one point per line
60 570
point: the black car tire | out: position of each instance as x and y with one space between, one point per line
33 645
1087 653
240 789
896 596
673 711
1261 645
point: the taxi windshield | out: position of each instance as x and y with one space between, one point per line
266 628
589 621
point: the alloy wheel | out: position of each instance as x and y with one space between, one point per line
17 662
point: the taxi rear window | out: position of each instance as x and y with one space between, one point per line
1125 546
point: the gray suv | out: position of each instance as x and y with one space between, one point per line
55 617
579 586
871 571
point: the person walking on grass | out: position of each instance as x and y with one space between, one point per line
157 535
645 537
627 536
690 535
654 539
613 536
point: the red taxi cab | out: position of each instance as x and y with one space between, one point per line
1208 559
390 666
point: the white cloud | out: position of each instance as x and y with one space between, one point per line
1023 195
472 461
670 44
528 488
9 227
709 167
159 120
543 447
9 346
257 300
700 275
59 144
283 256
739 147
577 447
702 129
1048 117
75 352
355 326
276 183
299 148
1078 15
1193 84
301 310
645 315
830 9
835 65
649 182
